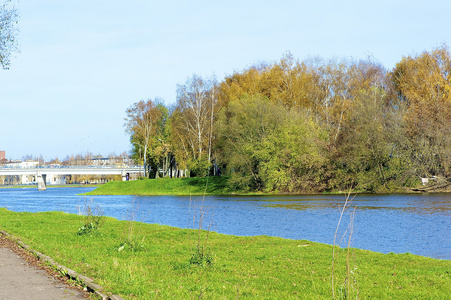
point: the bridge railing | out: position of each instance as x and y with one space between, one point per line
71 167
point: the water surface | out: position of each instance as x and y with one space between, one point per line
415 223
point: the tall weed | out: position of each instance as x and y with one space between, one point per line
132 240
94 218
344 278
201 215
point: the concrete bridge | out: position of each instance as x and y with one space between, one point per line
41 172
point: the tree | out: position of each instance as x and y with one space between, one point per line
161 150
267 146
8 32
248 82
287 82
364 148
341 83
141 124
423 84
192 123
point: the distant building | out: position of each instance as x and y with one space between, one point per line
2 156
21 164
111 161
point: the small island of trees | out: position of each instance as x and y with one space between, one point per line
305 126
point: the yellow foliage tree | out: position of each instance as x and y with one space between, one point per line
424 84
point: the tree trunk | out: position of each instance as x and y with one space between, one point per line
145 161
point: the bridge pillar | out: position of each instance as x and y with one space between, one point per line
41 178
23 179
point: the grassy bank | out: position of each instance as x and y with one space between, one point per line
166 186
184 187
147 261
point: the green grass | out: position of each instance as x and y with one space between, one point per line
166 186
153 262
214 185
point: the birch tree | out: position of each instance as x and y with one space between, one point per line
193 121
141 124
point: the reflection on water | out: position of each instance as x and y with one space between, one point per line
415 223
301 206
441 208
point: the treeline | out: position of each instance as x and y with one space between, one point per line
305 126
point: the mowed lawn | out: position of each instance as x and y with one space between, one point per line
215 185
149 261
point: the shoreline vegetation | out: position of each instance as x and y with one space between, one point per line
195 186
146 261
200 186
305 126
203 186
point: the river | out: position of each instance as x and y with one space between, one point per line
415 223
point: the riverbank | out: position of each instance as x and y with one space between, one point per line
215 185
203 186
146 261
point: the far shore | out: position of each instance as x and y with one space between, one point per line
202 186
33 186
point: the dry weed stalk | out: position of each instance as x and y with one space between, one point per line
347 282
130 233
199 255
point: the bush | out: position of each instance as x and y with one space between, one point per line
94 218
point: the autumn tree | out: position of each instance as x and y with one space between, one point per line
242 129
325 88
161 151
423 83
288 82
365 146
248 82
327 93
339 87
268 146
192 123
141 123
8 33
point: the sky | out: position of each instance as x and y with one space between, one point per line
83 63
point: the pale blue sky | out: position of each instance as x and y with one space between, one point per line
82 63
